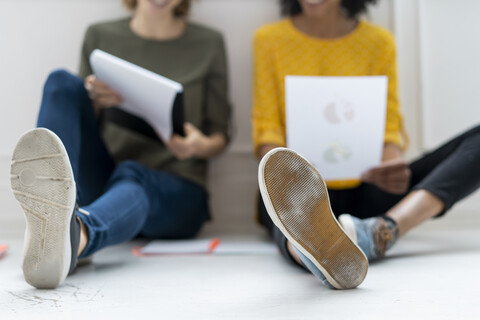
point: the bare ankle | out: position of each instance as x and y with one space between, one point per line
83 237
293 253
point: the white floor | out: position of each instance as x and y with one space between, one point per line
433 273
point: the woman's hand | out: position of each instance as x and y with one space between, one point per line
102 96
393 175
264 149
196 144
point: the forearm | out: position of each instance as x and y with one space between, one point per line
265 148
391 151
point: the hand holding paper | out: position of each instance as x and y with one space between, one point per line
189 146
102 96
391 176
196 144
145 94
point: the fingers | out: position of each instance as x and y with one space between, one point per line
179 147
393 177
397 183
89 83
390 166
368 176
108 100
192 145
100 93
189 128
389 174
89 80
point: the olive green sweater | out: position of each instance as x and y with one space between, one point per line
196 59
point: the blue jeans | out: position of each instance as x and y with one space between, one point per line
123 200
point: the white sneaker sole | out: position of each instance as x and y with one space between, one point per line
296 199
42 181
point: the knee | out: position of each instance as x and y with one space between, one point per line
471 138
62 82
130 170
476 129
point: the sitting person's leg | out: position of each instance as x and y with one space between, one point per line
439 180
344 200
449 173
120 213
179 208
67 110
138 200
43 181
297 201
262 215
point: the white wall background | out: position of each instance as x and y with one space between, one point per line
450 55
39 36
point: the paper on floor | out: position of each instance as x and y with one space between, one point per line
179 246
205 246
236 248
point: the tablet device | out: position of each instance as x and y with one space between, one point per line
152 104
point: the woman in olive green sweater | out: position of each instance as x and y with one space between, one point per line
123 181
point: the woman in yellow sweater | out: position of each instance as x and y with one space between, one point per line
326 38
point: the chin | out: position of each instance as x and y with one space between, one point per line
159 4
315 8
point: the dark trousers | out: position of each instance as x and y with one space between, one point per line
451 172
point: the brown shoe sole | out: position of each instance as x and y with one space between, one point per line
297 200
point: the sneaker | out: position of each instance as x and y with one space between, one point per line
297 200
373 235
42 182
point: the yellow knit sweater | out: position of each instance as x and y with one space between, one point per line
281 50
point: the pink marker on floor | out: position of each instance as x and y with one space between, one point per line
3 250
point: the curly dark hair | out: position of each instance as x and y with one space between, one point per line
352 7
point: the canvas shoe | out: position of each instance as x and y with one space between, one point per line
42 182
373 235
297 200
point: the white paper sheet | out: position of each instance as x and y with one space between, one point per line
244 247
215 246
337 123
145 94
179 246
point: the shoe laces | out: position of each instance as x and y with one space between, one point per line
383 236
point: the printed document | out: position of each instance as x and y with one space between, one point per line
337 123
